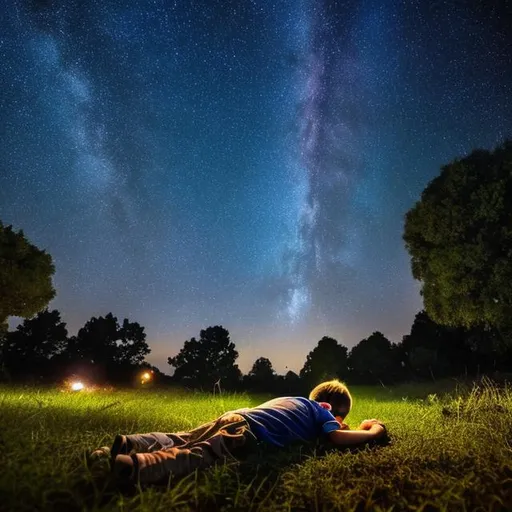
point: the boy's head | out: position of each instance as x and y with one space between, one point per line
335 393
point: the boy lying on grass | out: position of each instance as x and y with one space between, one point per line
153 458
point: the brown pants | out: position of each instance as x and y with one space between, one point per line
158 456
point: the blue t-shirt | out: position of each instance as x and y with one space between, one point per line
282 421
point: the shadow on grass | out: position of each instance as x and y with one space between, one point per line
91 489
248 481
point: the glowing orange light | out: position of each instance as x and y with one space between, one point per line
146 377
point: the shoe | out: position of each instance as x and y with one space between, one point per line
100 453
125 468
98 460
121 446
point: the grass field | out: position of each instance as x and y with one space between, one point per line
449 452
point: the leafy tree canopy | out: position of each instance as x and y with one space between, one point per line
291 384
262 369
262 376
424 333
25 276
373 359
203 362
432 349
291 376
327 360
103 341
459 237
28 350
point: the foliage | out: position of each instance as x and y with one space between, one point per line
30 350
439 464
205 362
435 350
25 276
374 359
326 361
262 376
104 347
459 236
290 384
291 376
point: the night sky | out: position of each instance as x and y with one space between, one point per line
241 163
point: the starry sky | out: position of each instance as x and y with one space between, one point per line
245 163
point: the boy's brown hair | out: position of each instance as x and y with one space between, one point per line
335 393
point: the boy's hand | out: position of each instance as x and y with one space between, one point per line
378 430
343 426
367 424
375 434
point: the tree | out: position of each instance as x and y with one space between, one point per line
25 276
29 351
459 237
207 361
131 344
291 384
327 360
373 360
262 376
105 348
435 350
488 351
432 350
95 342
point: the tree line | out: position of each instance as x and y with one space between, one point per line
104 350
107 351
429 351
459 238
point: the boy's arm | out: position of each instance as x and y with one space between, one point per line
354 437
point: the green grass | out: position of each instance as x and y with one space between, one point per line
449 452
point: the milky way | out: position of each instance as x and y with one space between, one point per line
331 124
244 163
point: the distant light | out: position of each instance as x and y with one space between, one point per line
77 386
145 377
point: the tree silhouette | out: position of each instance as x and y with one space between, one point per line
25 276
327 360
459 236
204 362
106 349
374 360
435 350
432 350
28 353
262 376
95 342
292 385
131 344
